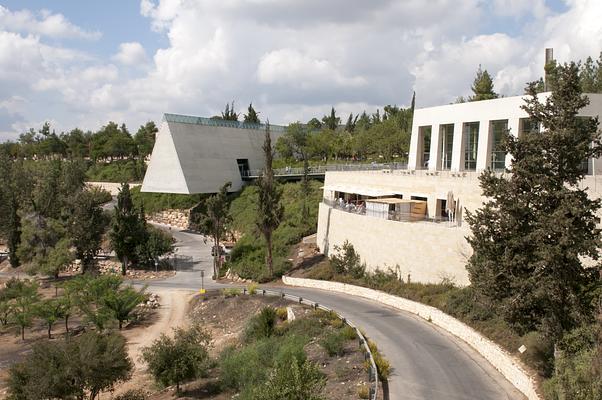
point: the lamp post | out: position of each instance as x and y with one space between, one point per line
156 264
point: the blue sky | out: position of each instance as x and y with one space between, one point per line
84 63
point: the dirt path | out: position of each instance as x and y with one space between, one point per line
171 314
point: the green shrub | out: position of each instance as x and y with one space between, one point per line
305 326
231 292
334 344
282 313
363 392
348 333
178 359
252 289
261 325
293 380
347 261
291 347
240 368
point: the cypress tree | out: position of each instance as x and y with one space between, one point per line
270 209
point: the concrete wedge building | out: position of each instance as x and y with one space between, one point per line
198 155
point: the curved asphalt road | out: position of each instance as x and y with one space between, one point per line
428 363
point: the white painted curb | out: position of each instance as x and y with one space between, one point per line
508 366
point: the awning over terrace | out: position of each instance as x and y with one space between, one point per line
371 191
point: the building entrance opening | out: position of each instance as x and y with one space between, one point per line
243 166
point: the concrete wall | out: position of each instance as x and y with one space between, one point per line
508 366
483 112
426 251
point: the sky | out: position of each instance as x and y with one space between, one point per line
85 63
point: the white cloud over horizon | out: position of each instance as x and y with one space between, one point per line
292 59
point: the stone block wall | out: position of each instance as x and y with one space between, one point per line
508 366
175 218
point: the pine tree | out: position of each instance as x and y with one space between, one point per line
482 87
270 210
530 237
251 116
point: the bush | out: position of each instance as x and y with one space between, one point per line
282 313
252 289
363 392
293 380
231 292
91 363
246 367
348 333
348 261
334 344
262 325
178 359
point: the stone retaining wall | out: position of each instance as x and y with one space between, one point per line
508 366
176 218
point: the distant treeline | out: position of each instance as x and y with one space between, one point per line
109 143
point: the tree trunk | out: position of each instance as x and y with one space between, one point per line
124 264
49 331
268 257
120 324
22 332
67 324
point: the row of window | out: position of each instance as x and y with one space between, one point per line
470 143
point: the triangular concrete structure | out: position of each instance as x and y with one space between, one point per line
164 173
198 155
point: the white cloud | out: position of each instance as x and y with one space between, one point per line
293 59
131 53
48 24
290 67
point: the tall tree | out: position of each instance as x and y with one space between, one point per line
145 138
331 121
531 237
252 116
270 209
413 104
127 229
229 114
213 221
87 224
482 87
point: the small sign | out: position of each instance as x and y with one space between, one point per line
202 291
522 349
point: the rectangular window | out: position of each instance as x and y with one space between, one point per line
527 125
425 149
447 145
471 144
498 156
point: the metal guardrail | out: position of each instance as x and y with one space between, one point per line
189 119
372 371
322 169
